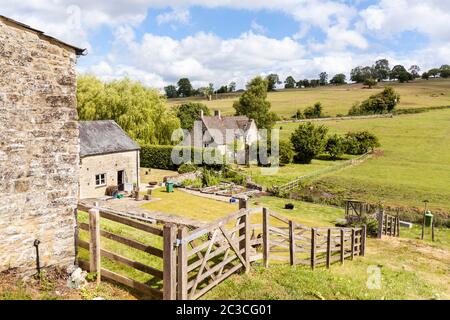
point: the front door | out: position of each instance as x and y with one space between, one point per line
120 179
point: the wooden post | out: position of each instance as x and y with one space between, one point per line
391 227
266 243
385 218
94 243
398 224
380 224
423 226
77 234
291 243
247 243
353 243
169 262
182 274
243 204
342 246
328 248
313 248
362 249
432 230
394 233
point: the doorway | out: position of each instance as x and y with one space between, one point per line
121 180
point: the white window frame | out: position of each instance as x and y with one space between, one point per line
99 175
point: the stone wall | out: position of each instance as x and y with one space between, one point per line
108 164
39 149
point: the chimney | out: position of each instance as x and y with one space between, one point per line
217 113
201 114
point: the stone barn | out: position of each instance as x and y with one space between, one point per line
39 148
108 157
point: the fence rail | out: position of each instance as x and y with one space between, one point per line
196 261
388 225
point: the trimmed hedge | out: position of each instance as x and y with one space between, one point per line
160 156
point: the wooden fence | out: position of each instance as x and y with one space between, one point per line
196 261
388 225
285 240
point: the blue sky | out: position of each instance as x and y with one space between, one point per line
159 41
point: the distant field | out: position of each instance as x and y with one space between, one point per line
414 165
339 99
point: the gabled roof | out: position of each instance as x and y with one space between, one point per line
103 137
222 124
78 51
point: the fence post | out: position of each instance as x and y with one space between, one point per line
169 262
380 224
353 243
391 222
291 243
342 246
328 248
313 248
395 226
362 248
243 204
432 230
182 265
247 242
266 237
94 243
398 224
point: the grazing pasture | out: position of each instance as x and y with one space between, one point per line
338 99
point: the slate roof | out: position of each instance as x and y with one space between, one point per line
223 123
78 51
103 137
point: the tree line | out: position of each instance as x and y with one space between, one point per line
184 89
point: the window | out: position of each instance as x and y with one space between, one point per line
100 179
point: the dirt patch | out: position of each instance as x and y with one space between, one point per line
52 285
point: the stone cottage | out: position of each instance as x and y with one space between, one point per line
39 148
108 157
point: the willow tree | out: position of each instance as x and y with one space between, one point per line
140 111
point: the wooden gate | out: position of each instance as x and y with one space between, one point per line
388 225
209 255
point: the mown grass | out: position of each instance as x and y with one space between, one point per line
149 174
414 164
187 205
338 99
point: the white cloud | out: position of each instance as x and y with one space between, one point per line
181 16
258 28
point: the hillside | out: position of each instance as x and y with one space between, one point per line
338 99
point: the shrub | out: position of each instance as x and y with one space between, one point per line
370 82
308 141
335 146
234 177
314 111
210 178
187 167
383 102
160 156
360 142
286 152
197 183
298 115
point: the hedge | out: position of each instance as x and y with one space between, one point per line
159 156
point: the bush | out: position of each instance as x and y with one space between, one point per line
160 156
187 167
298 115
314 111
210 178
286 152
197 183
308 141
360 142
370 82
235 177
383 102
335 146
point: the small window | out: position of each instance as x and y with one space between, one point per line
100 179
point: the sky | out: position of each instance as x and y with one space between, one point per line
220 41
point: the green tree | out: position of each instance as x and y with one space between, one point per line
323 78
171 91
381 69
379 103
360 74
232 86
289 83
138 110
308 141
272 81
414 70
360 142
399 73
208 91
314 111
286 152
338 79
335 146
426 76
434 72
370 82
185 88
445 71
253 104
189 112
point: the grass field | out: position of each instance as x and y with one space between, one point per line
339 99
414 164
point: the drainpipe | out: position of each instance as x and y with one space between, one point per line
38 263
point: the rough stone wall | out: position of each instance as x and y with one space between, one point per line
108 164
39 149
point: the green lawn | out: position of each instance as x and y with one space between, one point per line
414 163
338 100
187 205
